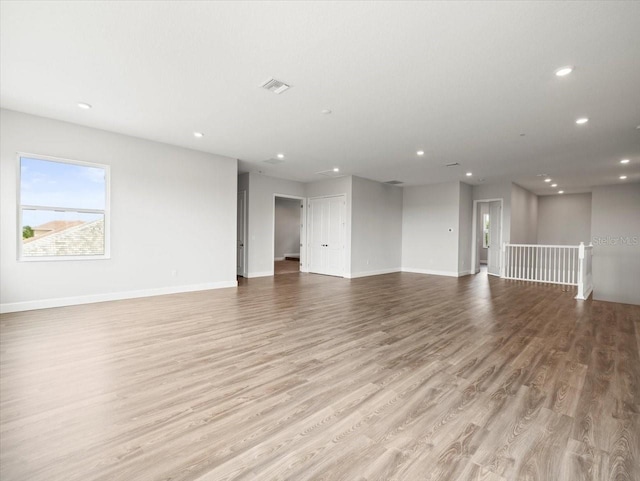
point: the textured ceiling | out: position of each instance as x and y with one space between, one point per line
460 80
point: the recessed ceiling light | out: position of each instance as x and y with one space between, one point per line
335 169
198 134
561 192
564 71
469 174
84 105
547 180
325 111
622 177
420 152
280 156
554 185
624 161
582 120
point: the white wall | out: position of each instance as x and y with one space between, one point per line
564 219
287 233
464 228
261 200
524 216
376 236
430 228
615 230
171 209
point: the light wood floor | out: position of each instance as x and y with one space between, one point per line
301 377
286 267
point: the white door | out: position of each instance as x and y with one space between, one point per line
241 233
335 234
327 235
315 251
495 220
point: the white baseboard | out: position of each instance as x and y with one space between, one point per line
587 293
430 272
465 273
278 258
259 274
355 275
292 254
112 296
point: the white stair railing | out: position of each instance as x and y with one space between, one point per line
553 264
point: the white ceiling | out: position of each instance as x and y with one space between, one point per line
459 80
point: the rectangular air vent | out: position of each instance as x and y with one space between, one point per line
455 164
273 161
394 182
275 86
330 173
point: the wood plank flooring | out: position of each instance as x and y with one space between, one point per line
287 266
305 377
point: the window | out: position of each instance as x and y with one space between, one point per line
63 209
485 231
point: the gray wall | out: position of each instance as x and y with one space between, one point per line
171 209
464 228
615 230
564 219
287 224
430 223
376 237
524 216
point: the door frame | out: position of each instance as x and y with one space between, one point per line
244 230
344 247
474 228
303 230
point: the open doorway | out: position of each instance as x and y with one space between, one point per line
287 234
241 237
487 236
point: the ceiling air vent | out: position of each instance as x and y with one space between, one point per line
455 164
330 173
273 161
394 182
275 86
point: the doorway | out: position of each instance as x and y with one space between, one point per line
241 261
487 236
287 234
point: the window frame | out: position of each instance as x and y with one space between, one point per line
106 212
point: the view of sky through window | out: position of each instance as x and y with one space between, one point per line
58 184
